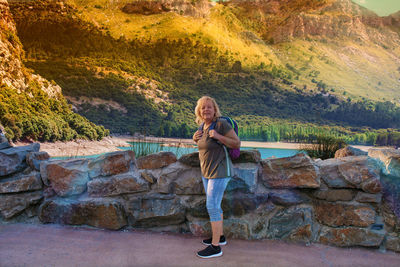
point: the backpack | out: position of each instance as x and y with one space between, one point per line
234 153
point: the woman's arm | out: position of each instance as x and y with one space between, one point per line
230 139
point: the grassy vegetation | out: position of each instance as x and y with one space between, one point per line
324 147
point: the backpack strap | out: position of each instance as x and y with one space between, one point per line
212 126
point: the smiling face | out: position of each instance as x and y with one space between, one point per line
207 111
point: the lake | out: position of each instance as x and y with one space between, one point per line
179 151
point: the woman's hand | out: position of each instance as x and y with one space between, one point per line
214 134
230 139
197 135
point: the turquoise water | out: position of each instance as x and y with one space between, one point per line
179 151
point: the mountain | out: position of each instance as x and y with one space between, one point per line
141 65
31 107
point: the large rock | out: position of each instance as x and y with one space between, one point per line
102 213
180 179
293 223
343 214
112 163
13 204
199 227
351 172
330 174
21 183
248 156
66 177
246 172
388 159
155 161
155 211
292 172
3 140
368 198
393 243
351 236
239 204
13 159
349 151
34 158
191 159
233 228
236 228
285 197
360 173
335 194
126 183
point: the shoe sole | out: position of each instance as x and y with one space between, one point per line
221 244
211 256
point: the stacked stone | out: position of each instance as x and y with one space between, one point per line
20 182
336 201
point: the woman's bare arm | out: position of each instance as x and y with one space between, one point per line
230 139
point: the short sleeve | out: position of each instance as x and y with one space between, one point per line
223 126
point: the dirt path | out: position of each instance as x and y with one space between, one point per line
54 245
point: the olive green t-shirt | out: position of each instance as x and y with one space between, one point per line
212 156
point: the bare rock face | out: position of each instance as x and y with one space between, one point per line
14 159
21 183
155 161
13 204
292 224
291 172
351 236
199 8
285 20
338 214
335 194
12 71
126 183
393 243
180 179
34 158
191 159
253 156
112 164
100 213
351 172
155 210
388 160
66 177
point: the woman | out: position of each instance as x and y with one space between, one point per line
216 167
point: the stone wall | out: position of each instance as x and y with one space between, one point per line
347 201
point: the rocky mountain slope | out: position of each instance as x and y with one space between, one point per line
31 107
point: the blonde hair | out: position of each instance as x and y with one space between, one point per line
200 103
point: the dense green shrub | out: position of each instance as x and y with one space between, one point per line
39 117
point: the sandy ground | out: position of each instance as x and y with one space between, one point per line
111 143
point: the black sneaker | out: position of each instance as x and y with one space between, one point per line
222 241
210 252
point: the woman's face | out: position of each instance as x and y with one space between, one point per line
207 111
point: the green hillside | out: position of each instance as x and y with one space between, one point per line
32 108
135 72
